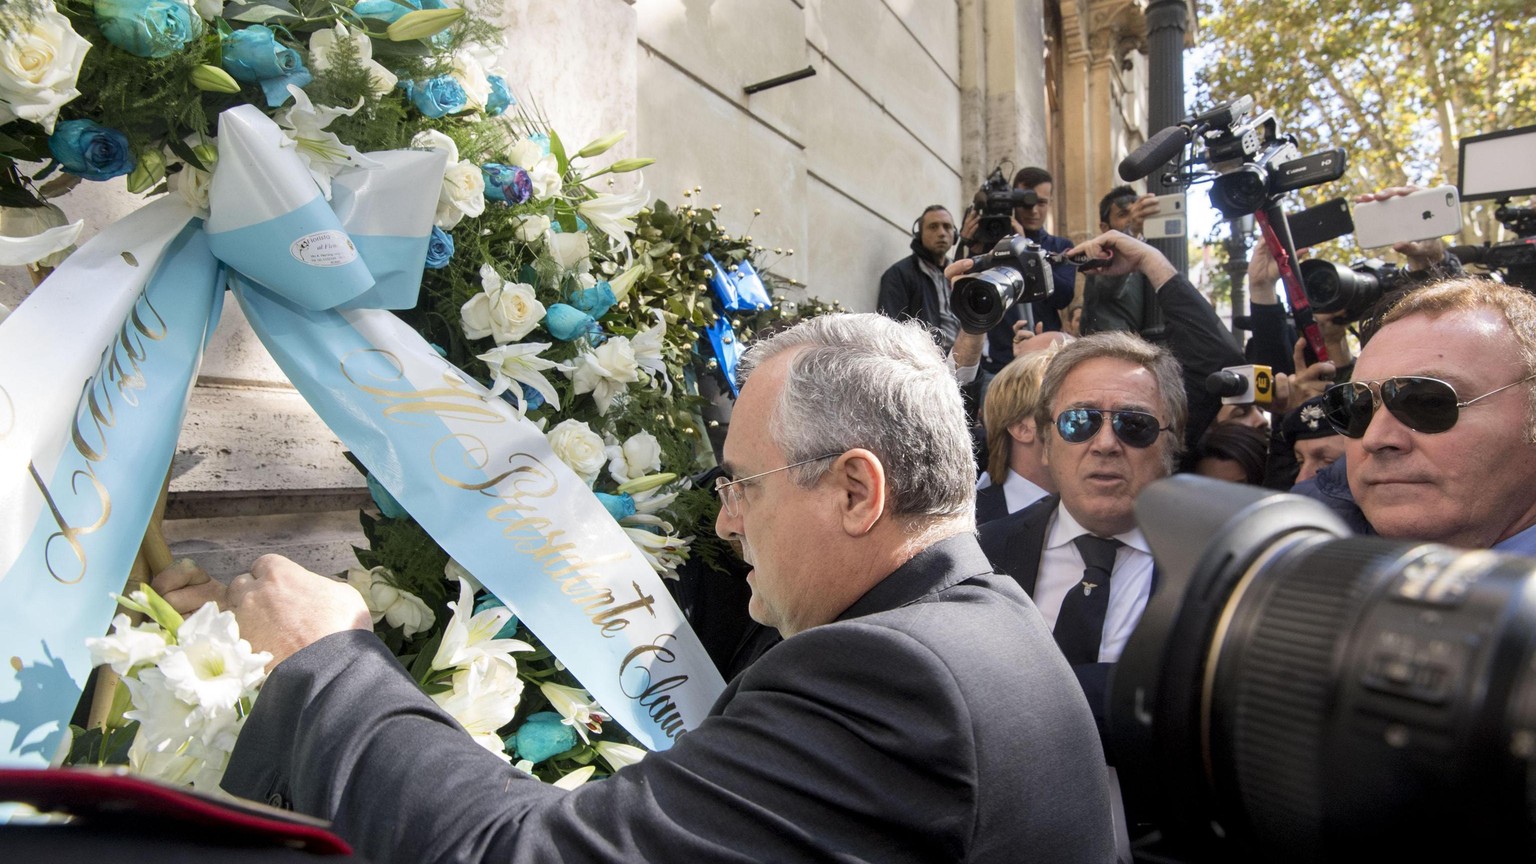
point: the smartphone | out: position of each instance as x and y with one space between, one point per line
1320 223
1169 219
1418 216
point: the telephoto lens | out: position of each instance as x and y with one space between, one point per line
1293 693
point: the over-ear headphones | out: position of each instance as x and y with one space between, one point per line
917 228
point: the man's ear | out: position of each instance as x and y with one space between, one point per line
859 480
1024 431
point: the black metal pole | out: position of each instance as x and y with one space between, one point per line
1166 23
1237 275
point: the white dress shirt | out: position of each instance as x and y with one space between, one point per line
1061 569
1019 491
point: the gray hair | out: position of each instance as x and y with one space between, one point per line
867 381
1120 345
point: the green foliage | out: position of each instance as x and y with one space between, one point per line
101 745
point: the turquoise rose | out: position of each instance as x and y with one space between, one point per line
390 11
566 323
501 98
254 56
545 734
439 249
508 184
148 28
620 506
595 301
438 96
90 150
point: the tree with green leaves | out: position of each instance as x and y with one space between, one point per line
1396 84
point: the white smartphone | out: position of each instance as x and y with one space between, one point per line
1418 216
1169 219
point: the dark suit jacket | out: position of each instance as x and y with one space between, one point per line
1013 545
991 503
935 720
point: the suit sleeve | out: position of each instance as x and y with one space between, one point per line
821 748
1202 345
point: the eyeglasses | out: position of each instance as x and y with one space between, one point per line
1134 428
730 490
1426 405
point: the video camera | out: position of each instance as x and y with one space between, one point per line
1499 166
1293 693
1017 270
1248 162
994 204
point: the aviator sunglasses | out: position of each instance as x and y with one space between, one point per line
1422 404
1133 428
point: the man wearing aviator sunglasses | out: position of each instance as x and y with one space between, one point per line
1115 406
1440 421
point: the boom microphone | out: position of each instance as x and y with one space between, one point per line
1469 254
1156 151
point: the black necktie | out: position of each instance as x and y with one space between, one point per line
1080 624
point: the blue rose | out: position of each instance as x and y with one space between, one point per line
566 323
523 399
508 184
439 249
438 96
148 28
390 11
595 301
90 150
543 735
501 98
619 506
254 55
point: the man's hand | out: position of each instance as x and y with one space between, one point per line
282 608
1292 390
1026 341
187 587
1421 254
1335 332
1263 274
1126 254
968 225
1141 210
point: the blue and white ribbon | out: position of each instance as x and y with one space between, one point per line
97 365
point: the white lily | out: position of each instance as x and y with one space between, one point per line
664 552
619 755
128 646
323 153
470 635
577 707
323 42
614 215
210 666
569 249
575 778
648 345
483 698
520 363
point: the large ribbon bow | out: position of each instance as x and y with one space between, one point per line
97 365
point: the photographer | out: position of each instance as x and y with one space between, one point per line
1028 221
1121 302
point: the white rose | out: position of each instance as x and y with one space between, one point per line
606 372
639 456
515 311
210 10
579 448
431 139
387 603
463 194
477 316
542 169
531 229
525 154
570 250
39 67
192 184
471 76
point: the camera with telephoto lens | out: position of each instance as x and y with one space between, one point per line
1017 270
994 204
1351 291
1293 693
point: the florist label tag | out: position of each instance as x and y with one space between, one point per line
484 483
324 249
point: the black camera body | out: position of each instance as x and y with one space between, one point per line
1349 291
1017 270
1515 260
994 204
